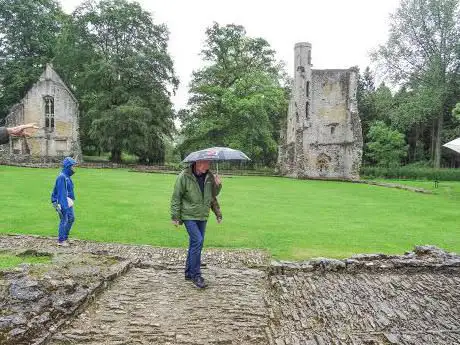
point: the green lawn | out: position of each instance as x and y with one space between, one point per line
448 189
292 219
9 260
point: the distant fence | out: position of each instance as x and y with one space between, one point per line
403 172
165 169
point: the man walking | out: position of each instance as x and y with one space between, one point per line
195 191
63 198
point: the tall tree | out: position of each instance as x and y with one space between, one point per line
28 33
376 106
385 146
365 95
239 98
123 75
423 51
456 111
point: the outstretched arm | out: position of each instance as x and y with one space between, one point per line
18 131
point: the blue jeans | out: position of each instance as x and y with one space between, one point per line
67 218
195 229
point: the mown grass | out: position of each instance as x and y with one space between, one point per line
293 219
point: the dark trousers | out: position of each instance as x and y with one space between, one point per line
195 229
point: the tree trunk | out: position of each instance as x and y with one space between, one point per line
116 156
412 141
437 152
433 141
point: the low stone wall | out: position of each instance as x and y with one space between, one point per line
92 165
368 299
395 185
131 168
7 159
423 258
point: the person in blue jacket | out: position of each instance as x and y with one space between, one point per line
63 198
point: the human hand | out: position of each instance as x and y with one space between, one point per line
176 223
217 179
20 131
219 220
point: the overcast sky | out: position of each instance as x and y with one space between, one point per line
342 32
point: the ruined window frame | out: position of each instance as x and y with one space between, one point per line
49 113
16 146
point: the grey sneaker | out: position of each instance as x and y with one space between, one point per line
63 244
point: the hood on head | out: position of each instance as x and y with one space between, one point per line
68 162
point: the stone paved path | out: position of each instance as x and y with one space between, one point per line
150 306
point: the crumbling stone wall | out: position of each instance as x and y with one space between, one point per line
48 144
368 299
323 136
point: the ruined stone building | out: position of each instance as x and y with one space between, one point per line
54 108
322 137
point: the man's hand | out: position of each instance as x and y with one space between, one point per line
217 179
219 220
19 131
176 223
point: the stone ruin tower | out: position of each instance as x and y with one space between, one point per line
322 137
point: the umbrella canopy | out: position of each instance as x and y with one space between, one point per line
216 154
453 145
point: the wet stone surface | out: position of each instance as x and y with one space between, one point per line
365 308
35 298
150 306
367 299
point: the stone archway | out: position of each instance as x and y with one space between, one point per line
322 163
